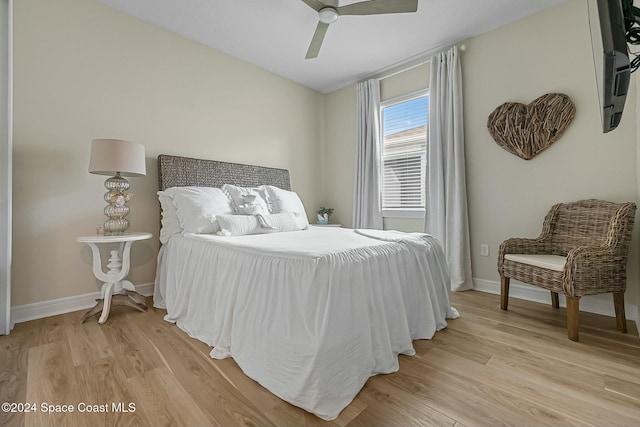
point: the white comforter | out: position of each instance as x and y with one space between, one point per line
310 314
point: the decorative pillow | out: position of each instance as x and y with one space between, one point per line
285 201
240 225
197 207
247 200
170 222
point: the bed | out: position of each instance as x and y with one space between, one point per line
311 314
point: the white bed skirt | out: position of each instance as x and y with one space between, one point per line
310 324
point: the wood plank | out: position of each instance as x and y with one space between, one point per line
623 390
87 342
619 362
133 351
14 353
537 317
51 381
567 375
472 400
176 404
388 398
445 339
103 387
584 386
373 416
45 331
540 389
154 403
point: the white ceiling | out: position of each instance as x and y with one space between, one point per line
275 34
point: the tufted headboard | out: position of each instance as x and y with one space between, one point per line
175 171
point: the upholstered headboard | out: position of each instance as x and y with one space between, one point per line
175 171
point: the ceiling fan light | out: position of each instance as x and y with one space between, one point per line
328 15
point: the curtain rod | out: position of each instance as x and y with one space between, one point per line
414 62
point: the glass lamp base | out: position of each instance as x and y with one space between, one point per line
115 226
117 209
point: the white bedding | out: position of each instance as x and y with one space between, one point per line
312 314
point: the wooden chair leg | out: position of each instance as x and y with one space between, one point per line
504 292
573 310
618 303
555 302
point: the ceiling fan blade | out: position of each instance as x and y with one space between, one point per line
374 7
315 4
316 41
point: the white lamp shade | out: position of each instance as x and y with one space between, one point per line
109 156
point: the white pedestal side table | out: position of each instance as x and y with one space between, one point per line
115 289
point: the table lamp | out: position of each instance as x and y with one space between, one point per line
117 158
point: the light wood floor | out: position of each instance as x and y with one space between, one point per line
488 368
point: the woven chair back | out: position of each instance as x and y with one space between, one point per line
587 222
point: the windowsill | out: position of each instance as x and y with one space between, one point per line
403 213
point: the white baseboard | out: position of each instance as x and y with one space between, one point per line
38 310
532 293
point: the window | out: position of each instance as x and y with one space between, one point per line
404 151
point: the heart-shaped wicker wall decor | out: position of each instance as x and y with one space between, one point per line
526 130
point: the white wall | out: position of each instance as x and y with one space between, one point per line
84 71
508 196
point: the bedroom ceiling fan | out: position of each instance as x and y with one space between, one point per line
329 11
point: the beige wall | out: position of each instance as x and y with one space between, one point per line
339 153
550 52
508 196
84 71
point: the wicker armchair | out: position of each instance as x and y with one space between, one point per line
582 250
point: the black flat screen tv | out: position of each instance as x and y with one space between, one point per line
611 58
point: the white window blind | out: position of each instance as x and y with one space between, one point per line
404 147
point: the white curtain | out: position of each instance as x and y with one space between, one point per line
446 215
367 205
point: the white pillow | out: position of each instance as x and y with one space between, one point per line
170 222
197 207
247 200
285 201
240 225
